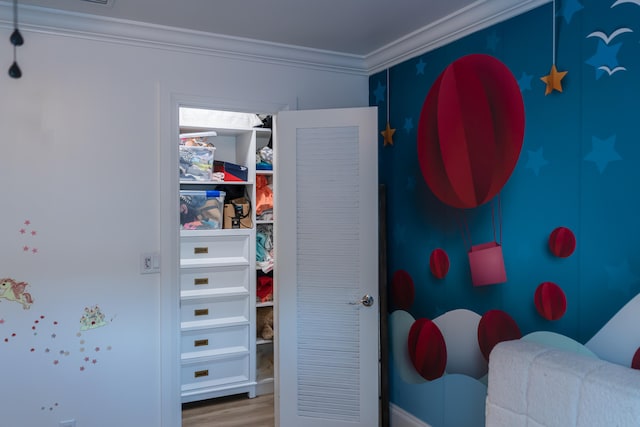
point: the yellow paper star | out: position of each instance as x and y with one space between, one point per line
388 135
553 80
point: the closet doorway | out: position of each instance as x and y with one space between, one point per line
226 263
355 301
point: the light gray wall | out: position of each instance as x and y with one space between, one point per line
80 147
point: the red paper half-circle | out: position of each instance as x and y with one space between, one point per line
439 263
471 131
427 349
402 290
550 301
635 362
562 242
494 327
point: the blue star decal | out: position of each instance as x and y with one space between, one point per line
605 55
525 81
379 93
603 152
569 7
621 277
420 67
536 160
408 124
492 41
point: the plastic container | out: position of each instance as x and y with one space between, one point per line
201 210
196 162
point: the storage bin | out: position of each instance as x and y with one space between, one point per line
196 162
201 210
232 171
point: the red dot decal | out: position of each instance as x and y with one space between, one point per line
562 242
550 301
439 263
496 326
402 290
427 349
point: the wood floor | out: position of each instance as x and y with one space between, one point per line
233 411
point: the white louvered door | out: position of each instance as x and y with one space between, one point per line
326 250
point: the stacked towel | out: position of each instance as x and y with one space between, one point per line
531 385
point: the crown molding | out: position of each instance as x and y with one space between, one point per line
477 16
86 26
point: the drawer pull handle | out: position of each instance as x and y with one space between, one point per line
204 250
200 343
201 312
200 374
201 281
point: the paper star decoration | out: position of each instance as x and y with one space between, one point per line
553 80
388 135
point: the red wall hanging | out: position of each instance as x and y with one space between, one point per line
439 263
635 362
427 349
562 242
471 131
550 301
402 290
494 327
470 137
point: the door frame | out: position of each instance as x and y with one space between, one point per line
169 305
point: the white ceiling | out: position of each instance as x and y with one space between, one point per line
354 27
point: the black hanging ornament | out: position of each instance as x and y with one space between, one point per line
16 40
15 71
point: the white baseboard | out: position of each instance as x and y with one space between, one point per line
401 418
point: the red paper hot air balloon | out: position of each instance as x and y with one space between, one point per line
471 131
470 136
439 263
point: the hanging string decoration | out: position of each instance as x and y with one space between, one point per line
554 78
16 40
388 132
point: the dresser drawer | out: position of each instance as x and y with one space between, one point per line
215 372
215 341
215 249
216 280
215 310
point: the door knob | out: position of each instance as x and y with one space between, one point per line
366 300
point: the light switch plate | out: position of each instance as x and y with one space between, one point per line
150 263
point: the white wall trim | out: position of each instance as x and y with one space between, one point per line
401 418
477 16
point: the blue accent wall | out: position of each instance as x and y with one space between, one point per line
579 168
